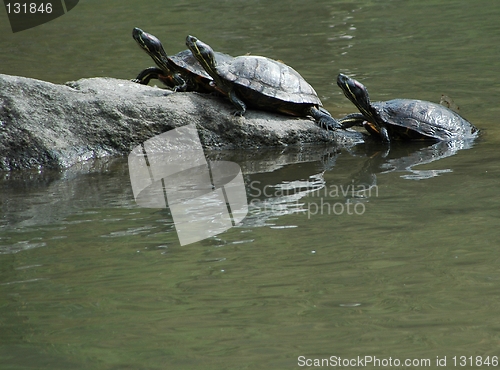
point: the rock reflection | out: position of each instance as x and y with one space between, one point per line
278 182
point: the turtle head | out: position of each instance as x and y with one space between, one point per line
152 45
356 92
148 42
203 53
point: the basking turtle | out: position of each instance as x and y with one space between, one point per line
181 71
262 83
403 119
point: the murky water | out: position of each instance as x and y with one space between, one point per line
351 253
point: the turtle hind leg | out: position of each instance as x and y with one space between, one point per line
238 103
324 119
384 134
180 84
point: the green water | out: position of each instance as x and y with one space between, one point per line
88 280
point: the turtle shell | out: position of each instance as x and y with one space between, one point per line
186 61
266 79
408 119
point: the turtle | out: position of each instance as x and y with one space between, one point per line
181 71
262 83
403 119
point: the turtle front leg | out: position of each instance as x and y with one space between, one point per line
324 119
148 74
238 103
353 119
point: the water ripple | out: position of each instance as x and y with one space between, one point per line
20 246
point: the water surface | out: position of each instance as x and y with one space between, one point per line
407 269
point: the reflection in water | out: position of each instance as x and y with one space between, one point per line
269 202
427 155
406 156
278 182
32 199
171 168
312 194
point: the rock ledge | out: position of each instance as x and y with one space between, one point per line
49 125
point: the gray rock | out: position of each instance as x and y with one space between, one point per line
55 126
